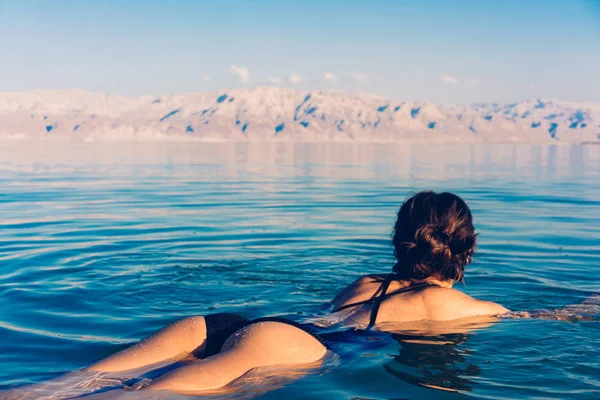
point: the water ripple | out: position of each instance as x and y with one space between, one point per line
97 253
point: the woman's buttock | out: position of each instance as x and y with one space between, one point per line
270 342
267 337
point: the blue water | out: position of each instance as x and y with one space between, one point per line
100 245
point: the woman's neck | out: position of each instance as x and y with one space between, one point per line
435 281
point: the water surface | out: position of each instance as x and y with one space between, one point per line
100 245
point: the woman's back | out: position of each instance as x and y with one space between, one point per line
404 301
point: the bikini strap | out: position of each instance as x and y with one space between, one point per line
377 302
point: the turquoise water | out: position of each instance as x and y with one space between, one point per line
100 245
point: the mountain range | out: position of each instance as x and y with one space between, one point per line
272 113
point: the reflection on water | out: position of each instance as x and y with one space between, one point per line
335 161
101 244
438 363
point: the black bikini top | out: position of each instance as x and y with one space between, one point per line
381 295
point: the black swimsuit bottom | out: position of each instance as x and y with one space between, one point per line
221 326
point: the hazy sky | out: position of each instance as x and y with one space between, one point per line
442 51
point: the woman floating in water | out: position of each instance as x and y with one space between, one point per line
434 240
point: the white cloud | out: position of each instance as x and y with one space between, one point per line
358 77
532 86
295 78
241 73
449 80
273 80
329 77
475 81
206 77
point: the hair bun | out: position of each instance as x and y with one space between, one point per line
462 245
433 240
433 236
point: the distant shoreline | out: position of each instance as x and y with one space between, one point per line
276 114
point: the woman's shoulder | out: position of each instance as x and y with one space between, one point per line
365 281
370 279
360 290
449 303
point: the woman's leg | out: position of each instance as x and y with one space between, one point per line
258 345
173 342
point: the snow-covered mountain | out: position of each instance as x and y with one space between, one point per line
269 113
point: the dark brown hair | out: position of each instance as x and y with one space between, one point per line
433 237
